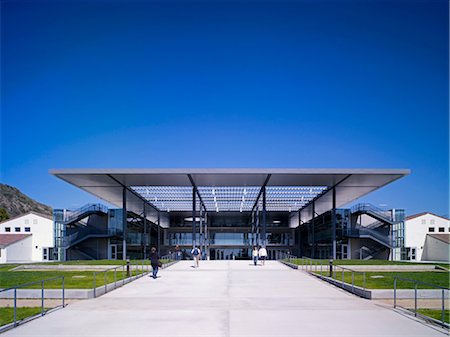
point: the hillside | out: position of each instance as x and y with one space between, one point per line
17 203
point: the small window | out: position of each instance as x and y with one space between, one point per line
7 229
441 229
27 221
424 221
431 229
16 229
35 221
432 222
413 253
27 229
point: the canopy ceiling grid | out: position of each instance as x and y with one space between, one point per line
230 189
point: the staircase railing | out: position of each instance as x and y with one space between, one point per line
73 215
77 236
385 215
359 230
375 224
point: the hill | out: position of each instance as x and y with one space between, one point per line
17 203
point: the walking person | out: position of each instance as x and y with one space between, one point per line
262 254
196 253
255 255
154 261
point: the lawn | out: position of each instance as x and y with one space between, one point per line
360 262
72 279
7 314
385 280
436 314
96 262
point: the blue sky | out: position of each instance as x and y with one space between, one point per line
144 84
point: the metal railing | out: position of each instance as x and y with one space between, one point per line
415 311
78 236
385 215
380 237
42 283
329 272
170 258
72 215
340 277
128 271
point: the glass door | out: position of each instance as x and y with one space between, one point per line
113 252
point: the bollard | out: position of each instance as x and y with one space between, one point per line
331 268
15 306
128 267
63 292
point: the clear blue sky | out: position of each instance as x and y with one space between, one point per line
144 84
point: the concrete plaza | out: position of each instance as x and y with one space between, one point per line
226 298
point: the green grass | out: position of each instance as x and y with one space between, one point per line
7 314
72 279
95 262
387 281
6 267
436 314
361 262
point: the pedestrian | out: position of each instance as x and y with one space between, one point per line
255 255
196 252
262 254
154 261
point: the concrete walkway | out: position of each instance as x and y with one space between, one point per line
226 298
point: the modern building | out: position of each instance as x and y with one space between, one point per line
227 211
27 238
427 237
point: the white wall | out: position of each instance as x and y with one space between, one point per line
417 229
3 255
19 251
436 250
41 229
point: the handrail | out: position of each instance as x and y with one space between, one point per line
172 257
311 266
68 240
359 230
316 266
416 313
42 283
126 268
371 208
86 208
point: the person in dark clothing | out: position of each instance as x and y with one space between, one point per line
154 261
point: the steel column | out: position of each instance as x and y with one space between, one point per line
313 229
124 223
333 219
194 230
159 234
264 218
299 233
145 232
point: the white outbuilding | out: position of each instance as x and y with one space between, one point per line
427 237
27 238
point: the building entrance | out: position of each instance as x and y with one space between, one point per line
229 253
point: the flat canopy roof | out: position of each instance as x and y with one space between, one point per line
230 189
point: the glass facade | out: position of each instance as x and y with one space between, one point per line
229 235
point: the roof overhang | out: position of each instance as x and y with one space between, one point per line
349 184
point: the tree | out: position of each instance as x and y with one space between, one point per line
3 214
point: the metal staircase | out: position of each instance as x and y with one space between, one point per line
369 253
368 233
76 216
88 233
375 212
